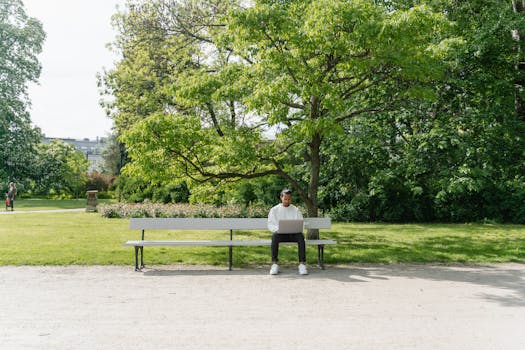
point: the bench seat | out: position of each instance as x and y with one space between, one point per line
227 243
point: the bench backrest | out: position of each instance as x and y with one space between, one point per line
215 223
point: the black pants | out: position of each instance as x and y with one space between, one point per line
288 237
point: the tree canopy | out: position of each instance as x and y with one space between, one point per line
457 158
216 91
21 39
62 169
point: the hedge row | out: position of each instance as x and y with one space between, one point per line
159 210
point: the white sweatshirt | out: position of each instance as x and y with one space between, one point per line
279 212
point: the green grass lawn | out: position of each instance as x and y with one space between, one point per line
50 204
82 238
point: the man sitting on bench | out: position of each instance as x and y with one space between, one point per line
286 211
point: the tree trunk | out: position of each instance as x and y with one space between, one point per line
315 167
313 186
519 81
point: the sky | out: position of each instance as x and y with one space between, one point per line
65 103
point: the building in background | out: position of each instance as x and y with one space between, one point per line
92 149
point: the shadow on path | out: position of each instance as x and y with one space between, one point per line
510 277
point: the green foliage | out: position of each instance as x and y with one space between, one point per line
113 156
17 154
459 156
439 169
214 91
261 191
133 189
21 39
62 169
371 110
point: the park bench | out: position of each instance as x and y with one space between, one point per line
229 224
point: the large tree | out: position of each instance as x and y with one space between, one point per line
62 169
258 91
21 39
458 158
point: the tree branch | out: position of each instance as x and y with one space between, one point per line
295 184
293 105
214 119
366 110
233 115
281 51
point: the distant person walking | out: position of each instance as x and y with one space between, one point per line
11 194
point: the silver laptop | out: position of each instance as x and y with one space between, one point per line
291 226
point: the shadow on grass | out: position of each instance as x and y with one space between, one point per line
354 248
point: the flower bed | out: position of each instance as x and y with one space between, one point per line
159 210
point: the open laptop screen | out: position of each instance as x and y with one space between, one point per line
290 226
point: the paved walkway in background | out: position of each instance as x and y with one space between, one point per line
9 212
344 307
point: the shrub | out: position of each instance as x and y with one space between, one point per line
138 190
356 210
158 210
98 181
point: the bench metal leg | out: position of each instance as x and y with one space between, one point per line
137 258
320 256
141 257
230 259
137 249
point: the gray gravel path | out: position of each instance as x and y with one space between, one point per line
343 307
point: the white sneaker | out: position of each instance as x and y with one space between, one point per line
303 270
274 270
